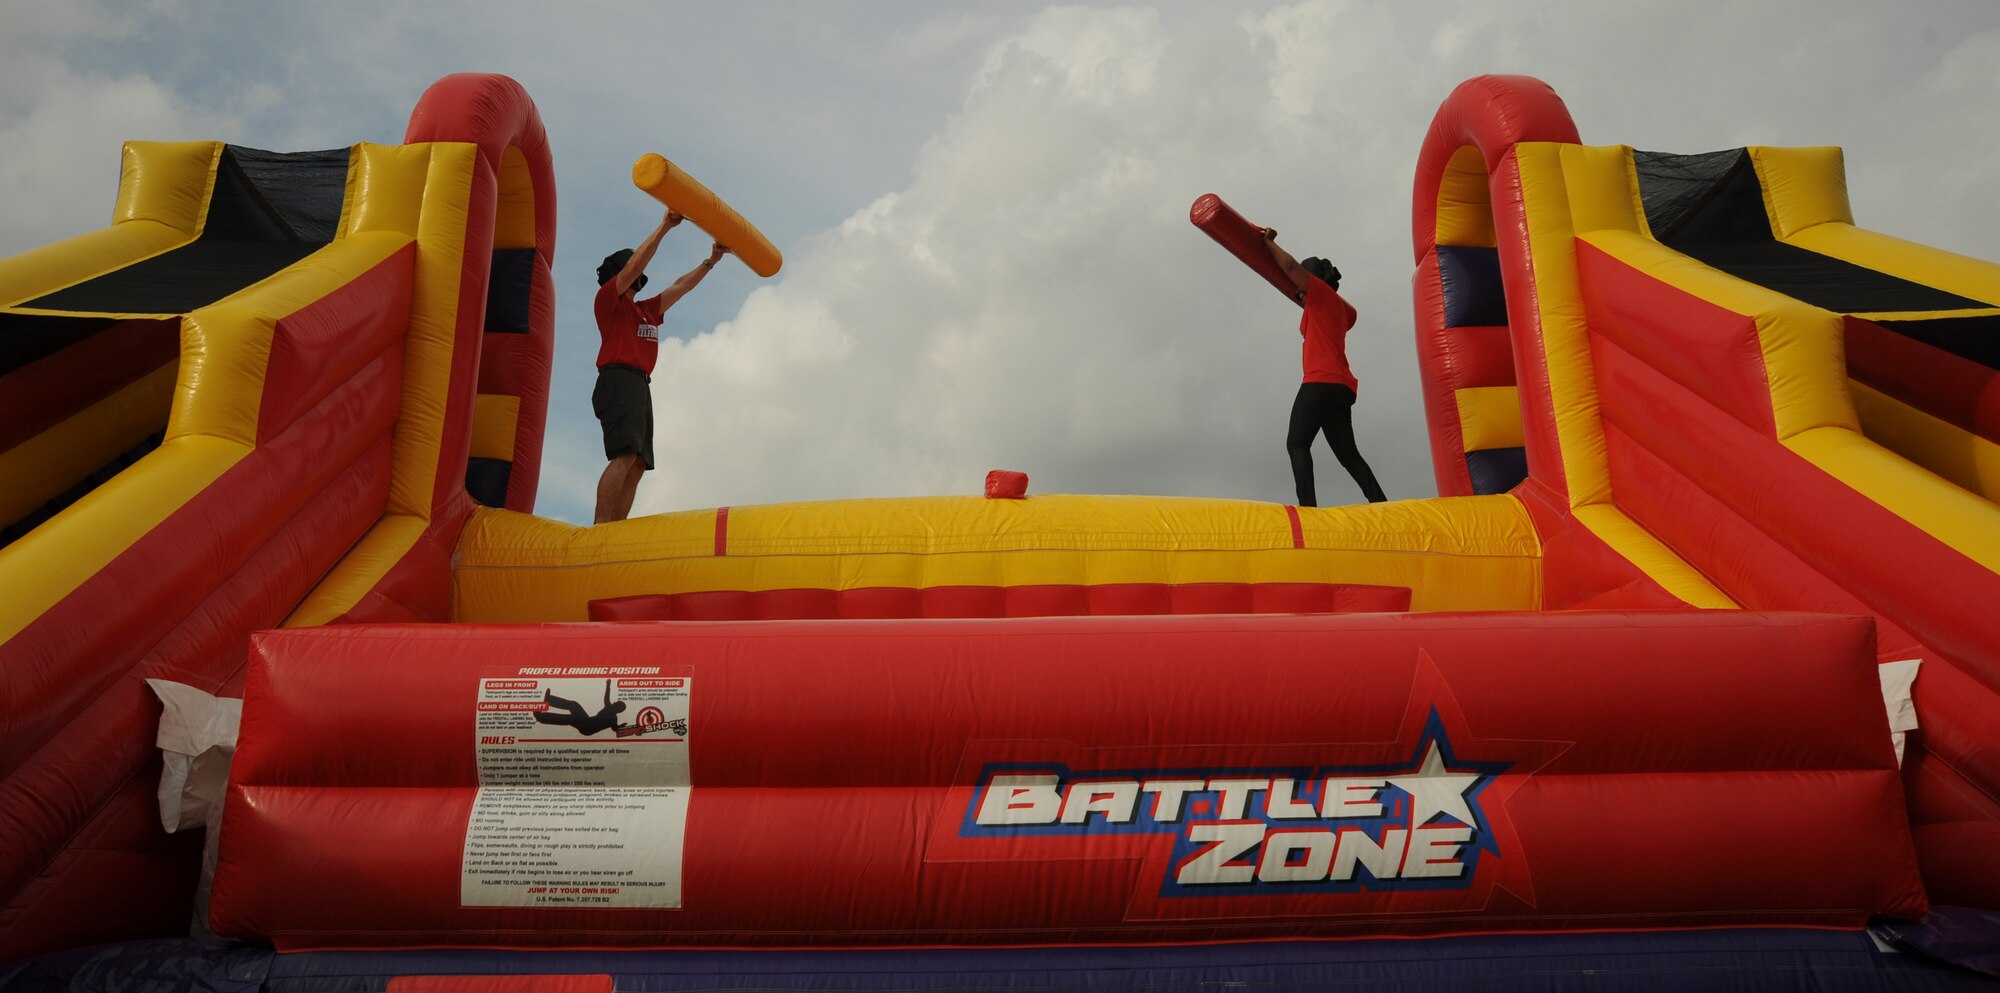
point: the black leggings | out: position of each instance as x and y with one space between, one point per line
1327 407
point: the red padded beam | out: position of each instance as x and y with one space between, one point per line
1052 600
1704 347
1108 779
1243 240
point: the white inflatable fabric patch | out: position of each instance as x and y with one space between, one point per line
1898 679
197 739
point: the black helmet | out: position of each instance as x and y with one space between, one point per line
614 264
1317 267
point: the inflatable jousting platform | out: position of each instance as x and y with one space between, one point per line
1633 697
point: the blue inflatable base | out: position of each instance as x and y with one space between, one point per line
1669 962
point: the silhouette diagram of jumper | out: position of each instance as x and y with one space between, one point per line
574 716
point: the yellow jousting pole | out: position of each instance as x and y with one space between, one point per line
669 184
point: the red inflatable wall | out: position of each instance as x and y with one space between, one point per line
1074 780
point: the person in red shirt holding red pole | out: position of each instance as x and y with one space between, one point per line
1325 403
623 397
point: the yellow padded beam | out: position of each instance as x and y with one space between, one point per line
1463 553
671 185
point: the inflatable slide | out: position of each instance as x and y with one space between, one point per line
1614 705
269 393
1703 378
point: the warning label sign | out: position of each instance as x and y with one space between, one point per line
584 787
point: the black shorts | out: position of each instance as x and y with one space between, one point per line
623 402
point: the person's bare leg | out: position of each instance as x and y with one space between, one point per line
615 489
631 489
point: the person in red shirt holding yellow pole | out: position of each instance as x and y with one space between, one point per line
630 328
1325 403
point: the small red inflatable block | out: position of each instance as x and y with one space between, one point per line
500 984
1006 484
1243 240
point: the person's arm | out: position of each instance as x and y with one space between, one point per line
1290 265
643 255
679 287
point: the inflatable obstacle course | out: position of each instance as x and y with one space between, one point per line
1632 684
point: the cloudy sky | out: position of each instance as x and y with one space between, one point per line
983 207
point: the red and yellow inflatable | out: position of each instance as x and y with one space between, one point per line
1623 675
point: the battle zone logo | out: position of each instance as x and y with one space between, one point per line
1413 825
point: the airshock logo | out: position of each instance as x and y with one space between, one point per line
1416 824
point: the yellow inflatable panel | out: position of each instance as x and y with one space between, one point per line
385 188
514 214
494 418
1465 553
77 543
445 204
1565 334
672 186
1944 448
1603 188
359 571
422 189
1803 187
1943 511
1464 212
1490 417
169 182
1654 558
65 263
1948 271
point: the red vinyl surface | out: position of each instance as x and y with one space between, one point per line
1052 600
49 390
1698 344
1610 770
1243 239
1926 590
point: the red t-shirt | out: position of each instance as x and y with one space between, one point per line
1324 326
630 328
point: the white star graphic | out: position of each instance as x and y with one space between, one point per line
1434 791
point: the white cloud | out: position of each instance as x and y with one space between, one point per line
63 125
1034 298
1020 303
